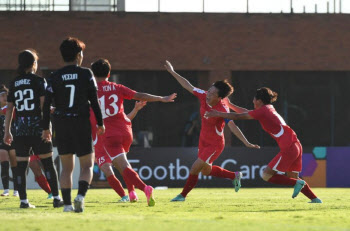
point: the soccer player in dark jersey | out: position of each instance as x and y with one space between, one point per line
7 152
73 91
289 159
26 95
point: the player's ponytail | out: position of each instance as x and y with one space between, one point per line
26 60
266 95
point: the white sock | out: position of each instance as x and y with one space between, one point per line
6 190
25 201
57 197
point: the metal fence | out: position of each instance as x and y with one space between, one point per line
205 6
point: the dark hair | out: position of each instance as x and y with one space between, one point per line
26 60
266 95
70 48
3 88
224 88
101 68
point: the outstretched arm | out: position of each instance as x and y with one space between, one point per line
230 116
238 133
137 108
235 107
184 82
154 98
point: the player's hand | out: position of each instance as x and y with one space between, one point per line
139 105
168 66
212 113
52 110
101 130
46 136
8 138
169 98
249 145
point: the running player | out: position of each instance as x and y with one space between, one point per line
105 162
118 137
27 96
289 159
7 153
35 166
211 140
73 90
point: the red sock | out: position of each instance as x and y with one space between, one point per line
129 185
134 178
282 179
222 173
190 184
42 182
307 192
116 185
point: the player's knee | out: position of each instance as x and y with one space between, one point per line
107 170
266 176
206 172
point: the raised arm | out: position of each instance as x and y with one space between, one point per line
184 82
235 107
137 108
238 133
8 120
154 98
230 116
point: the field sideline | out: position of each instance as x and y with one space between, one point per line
205 209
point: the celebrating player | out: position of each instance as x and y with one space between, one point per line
211 140
7 152
118 137
73 90
27 96
289 159
105 162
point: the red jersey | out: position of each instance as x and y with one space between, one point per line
275 125
111 97
212 130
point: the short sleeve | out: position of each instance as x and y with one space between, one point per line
127 92
256 114
199 93
92 80
10 96
41 86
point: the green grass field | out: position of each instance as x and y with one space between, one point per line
205 209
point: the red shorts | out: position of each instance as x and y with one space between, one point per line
209 152
34 158
288 160
101 156
119 144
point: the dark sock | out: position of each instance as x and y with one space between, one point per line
66 194
83 187
22 167
5 175
51 175
15 185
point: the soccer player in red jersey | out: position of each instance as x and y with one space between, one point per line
118 137
289 159
211 140
104 161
